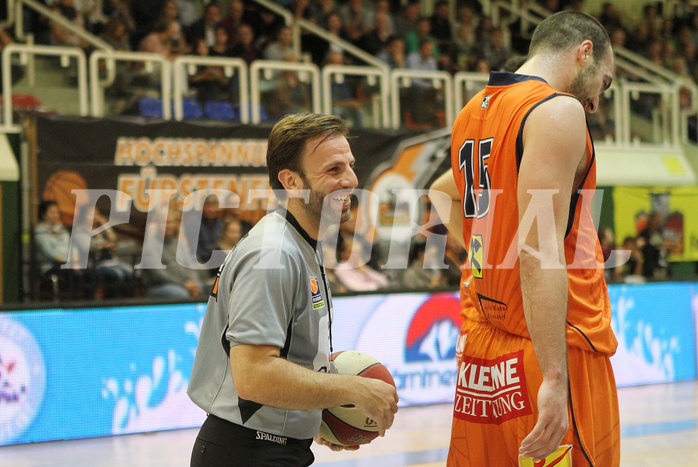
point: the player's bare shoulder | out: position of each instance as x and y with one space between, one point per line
557 126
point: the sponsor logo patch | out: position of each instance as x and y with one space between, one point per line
318 301
494 309
491 391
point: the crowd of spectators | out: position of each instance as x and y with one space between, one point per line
643 256
393 30
177 258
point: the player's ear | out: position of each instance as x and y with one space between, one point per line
289 179
585 52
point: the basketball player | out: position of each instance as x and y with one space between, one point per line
534 372
261 370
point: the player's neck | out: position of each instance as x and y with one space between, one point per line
557 71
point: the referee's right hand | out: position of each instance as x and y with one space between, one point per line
378 401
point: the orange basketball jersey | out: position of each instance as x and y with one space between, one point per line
486 150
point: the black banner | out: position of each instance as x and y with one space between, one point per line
131 155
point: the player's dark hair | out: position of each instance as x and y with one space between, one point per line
567 29
289 137
43 207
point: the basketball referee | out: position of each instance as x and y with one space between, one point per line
261 370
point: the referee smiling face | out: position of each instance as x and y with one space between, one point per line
325 170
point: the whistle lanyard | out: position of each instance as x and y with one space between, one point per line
318 257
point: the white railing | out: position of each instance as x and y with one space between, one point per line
664 116
307 73
299 24
24 53
381 111
186 65
669 120
110 59
64 22
466 84
440 80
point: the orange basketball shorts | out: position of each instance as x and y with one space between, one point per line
496 398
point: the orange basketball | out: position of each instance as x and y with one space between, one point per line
59 188
345 424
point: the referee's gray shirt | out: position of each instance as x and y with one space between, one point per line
271 291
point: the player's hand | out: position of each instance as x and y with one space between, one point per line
335 447
378 401
193 288
552 423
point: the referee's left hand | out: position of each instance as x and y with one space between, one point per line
335 447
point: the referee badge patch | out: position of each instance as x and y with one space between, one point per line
318 301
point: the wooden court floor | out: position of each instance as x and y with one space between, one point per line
659 428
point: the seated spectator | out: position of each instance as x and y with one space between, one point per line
235 17
281 47
610 17
210 83
344 99
100 252
495 50
159 41
318 47
441 26
421 272
377 38
654 248
170 13
268 28
289 95
355 21
93 12
210 229
121 9
189 12
61 35
319 11
422 32
231 234
382 8
406 21
455 259
463 48
351 271
608 245
631 270
221 44
235 213
175 280
116 34
205 27
394 53
422 98
245 48
52 243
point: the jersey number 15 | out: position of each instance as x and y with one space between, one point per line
476 203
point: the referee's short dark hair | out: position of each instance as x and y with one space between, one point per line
288 138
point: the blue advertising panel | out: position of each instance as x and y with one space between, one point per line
96 371
656 333
76 373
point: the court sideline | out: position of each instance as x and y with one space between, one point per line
659 429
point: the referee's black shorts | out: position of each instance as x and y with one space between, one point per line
221 443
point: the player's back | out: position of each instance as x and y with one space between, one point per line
486 151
